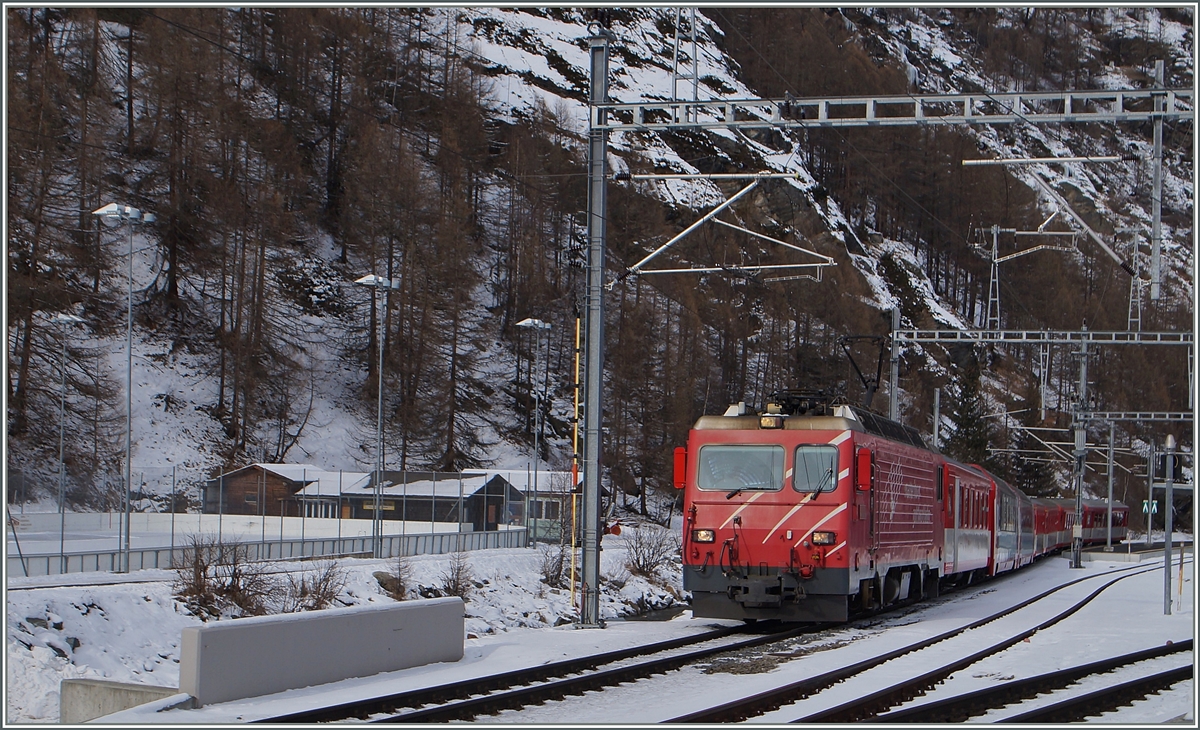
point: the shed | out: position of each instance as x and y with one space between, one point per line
547 500
419 496
257 489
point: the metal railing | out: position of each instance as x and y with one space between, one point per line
286 549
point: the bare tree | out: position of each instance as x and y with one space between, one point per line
458 578
313 589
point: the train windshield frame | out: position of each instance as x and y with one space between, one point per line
736 468
816 468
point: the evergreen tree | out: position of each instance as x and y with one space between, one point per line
1035 478
968 440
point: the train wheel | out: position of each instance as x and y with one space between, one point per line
891 586
869 592
930 584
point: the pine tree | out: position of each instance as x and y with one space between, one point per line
1035 478
969 439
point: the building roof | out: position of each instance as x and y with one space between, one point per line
443 488
360 484
333 483
290 472
558 482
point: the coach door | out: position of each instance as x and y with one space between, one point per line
956 492
864 492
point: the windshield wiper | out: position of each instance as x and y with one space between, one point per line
734 493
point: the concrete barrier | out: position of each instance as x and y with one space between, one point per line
250 657
80 700
1125 554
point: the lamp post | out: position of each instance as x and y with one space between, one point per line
378 283
539 326
130 215
62 321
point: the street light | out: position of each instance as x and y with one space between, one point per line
63 321
539 326
378 283
130 215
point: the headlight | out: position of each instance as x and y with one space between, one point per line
770 421
704 535
824 538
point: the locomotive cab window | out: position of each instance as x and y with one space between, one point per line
737 468
816 469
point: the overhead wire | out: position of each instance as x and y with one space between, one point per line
1010 109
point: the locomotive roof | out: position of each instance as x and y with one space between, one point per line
792 423
844 418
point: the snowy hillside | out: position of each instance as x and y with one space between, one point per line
445 148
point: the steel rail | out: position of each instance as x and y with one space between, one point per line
972 704
1103 700
491 704
890 696
465 688
762 702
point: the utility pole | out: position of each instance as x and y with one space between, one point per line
589 611
1112 431
1156 200
993 307
1167 508
893 395
1079 416
937 419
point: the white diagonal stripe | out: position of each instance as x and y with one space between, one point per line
738 511
791 512
824 519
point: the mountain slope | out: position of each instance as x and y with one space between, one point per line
289 152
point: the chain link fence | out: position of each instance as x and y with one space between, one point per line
49 536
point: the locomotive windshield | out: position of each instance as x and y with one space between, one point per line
737 468
816 469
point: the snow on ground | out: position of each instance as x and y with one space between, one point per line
1132 611
130 632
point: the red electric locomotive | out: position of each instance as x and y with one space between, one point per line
793 513
809 509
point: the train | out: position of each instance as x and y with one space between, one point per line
814 511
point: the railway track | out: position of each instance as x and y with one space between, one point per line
494 693
873 704
1098 702
520 688
972 704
